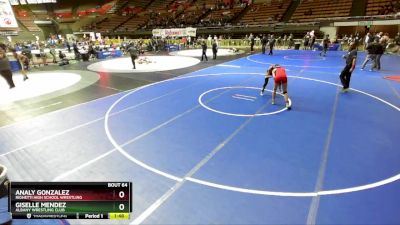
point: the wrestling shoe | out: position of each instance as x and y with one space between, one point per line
288 106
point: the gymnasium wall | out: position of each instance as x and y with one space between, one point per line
391 29
27 36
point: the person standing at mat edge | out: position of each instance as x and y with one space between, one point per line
134 54
325 44
214 49
351 59
280 79
271 43
5 69
263 43
204 50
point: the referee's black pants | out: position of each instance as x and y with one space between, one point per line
133 61
345 76
204 54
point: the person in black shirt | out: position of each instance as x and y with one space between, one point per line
263 43
5 69
371 56
133 51
76 51
379 50
68 46
312 41
306 40
252 41
92 53
63 59
397 43
290 41
325 44
204 50
351 59
271 43
214 49
397 39
26 51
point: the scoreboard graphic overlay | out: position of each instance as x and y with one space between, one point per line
70 200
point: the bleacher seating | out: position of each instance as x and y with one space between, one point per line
378 7
63 10
223 15
134 7
159 5
28 22
262 13
134 23
191 16
311 10
110 23
25 18
139 3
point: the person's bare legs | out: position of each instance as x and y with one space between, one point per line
274 93
286 95
23 71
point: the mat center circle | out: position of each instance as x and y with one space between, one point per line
304 58
240 101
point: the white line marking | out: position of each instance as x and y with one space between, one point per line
263 192
250 191
246 96
247 99
313 211
49 137
287 57
265 63
76 169
97 99
60 110
391 87
56 103
198 166
42 107
156 204
232 66
200 100
127 155
103 86
101 118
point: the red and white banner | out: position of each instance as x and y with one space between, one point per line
175 32
7 18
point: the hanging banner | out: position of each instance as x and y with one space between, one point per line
175 32
190 31
7 18
157 32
